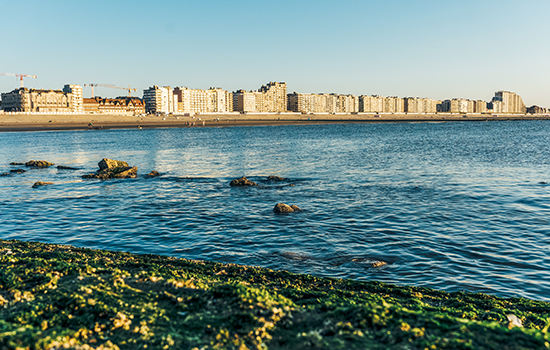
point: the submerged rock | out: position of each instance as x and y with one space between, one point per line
153 173
243 181
15 163
66 167
5 174
18 171
106 163
39 163
378 264
40 183
282 208
275 178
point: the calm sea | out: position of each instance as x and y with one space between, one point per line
453 206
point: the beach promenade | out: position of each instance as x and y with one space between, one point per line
39 122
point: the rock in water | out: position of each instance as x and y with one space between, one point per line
243 181
295 208
66 167
15 163
378 264
39 163
275 178
106 163
5 174
282 208
19 171
40 183
153 173
113 173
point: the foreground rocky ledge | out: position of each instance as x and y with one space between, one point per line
55 296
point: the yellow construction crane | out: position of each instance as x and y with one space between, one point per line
129 89
20 76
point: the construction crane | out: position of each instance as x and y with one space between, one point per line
20 76
129 89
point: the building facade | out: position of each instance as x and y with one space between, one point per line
160 100
68 100
511 102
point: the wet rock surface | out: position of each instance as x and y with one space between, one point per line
18 171
282 208
41 183
243 181
39 163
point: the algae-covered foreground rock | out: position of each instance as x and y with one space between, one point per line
112 169
39 163
113 173
55 297
282 208
243 181
41 183
106 163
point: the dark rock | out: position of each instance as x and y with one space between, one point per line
378 264
153 173
243 181
106 163
19 171
295 208
275 178
39 163
15 163
5 174
66 167
40 183
123 172
282 208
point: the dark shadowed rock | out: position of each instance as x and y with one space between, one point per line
39 163
15 163
275 178
40 183
153 173
63 167
106 163
18 171
282 208
5 174
243 181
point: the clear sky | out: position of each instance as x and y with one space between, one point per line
426 48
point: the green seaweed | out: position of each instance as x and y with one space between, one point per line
54 296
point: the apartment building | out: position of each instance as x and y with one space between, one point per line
511 102
76 95
41 100
160 100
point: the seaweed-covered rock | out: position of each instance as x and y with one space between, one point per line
18 171
153 173
106 163
63 167
39 163
40 183
123 172
282 208
243 181
275 178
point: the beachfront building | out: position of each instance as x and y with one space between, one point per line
322 103
511 102
196 101
128 106
43 101
537 110
372 104
76 95
480 106
270 98
160 100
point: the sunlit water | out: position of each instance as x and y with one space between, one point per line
453 206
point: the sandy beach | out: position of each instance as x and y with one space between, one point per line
40 122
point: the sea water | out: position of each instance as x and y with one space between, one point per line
454 206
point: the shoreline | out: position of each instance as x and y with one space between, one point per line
56 122
61 296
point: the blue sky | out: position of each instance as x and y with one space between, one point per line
438 49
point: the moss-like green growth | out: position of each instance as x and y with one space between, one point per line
55 296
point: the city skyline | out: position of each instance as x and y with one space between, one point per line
396 48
